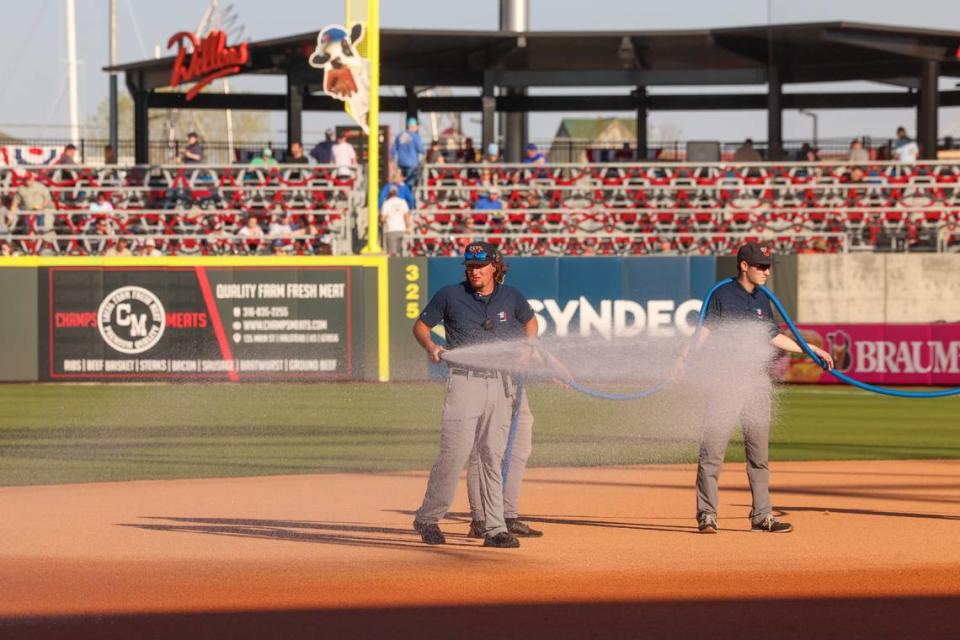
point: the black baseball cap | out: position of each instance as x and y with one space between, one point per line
479 254
755 253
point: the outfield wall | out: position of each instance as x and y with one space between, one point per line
195 319
326 318
878 288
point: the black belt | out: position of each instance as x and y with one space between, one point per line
476 373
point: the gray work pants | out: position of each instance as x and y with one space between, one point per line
522 446
723 413
476 415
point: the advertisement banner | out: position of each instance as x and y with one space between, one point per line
612 297
205 323
885 354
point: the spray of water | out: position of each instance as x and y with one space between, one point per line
723 381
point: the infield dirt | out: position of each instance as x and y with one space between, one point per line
874 554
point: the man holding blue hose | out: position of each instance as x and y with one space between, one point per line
741 300
480 402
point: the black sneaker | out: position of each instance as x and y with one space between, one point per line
708 523
502 540
771 525
521 529
429 532
477 529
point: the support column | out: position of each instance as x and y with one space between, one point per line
488 107
515 17
927 107
294 112
641 96
774 114
412 107
141 127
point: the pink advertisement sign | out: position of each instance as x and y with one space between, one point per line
887 354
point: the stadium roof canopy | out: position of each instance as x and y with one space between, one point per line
773 56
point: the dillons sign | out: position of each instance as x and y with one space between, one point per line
209 59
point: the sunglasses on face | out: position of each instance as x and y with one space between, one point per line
761 267
475 255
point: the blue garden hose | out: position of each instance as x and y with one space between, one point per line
897 393
514 423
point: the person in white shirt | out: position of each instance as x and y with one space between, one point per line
344 157
905 149
396 220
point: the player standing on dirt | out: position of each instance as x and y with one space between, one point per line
480 402
741 300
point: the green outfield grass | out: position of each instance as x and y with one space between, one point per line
88 433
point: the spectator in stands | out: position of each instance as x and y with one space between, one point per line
32 196
746 153
493 153
193 152
148 248
396 220
296 155
121 249
251 228
812 155
904 149
858 155
802 153
344 156
948 144
279 247
624 153
252 233
69 155
265 159
100 236
533 156
323 152
7 218
407 152
470 154
102 204
396 180
489 201
5 249
283 226
434 154
109 154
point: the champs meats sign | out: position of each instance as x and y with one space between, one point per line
915 354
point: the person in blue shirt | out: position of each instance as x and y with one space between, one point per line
534 156
489 201
403 191
742 301
479 404
323 152
407 152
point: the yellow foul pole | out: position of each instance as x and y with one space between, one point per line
373 137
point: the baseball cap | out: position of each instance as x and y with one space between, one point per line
267 152
479 254
411 121
531 147
493 149
755 253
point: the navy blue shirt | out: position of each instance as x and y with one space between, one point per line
733 302
463 313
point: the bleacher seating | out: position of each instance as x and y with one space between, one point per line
183 209
634 209
597 209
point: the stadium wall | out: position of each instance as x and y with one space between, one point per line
878 288
211 319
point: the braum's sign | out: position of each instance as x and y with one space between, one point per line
210 59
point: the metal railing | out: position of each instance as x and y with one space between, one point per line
178 208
